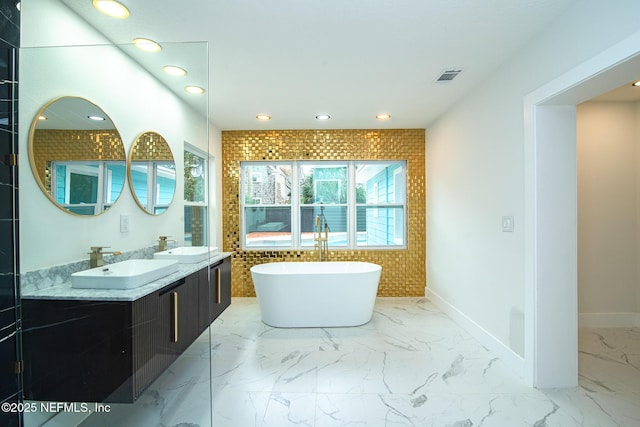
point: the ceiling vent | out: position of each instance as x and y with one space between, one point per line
448 74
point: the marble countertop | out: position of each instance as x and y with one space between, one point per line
66 292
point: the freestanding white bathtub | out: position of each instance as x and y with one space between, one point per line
316 294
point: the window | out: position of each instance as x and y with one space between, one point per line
323 193
267 204
380 209
87 188
363 204
154 183
195 197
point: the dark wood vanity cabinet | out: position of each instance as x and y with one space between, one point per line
77 350
220 292
178 321
111 351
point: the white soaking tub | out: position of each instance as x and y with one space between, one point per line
316 294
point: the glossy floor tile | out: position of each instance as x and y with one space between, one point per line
410 366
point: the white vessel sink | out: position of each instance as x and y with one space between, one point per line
125 274
188 254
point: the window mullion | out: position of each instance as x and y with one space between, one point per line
151 194
295 206
102 184
241 216
352 229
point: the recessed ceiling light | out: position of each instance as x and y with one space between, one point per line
174 71
97 118
383 116
147 45
323 117
636 84
263 117
111 8
197 90
42 118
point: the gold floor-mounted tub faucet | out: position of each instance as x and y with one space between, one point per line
321 243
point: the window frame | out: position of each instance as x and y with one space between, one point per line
85 167
242 206
152 172
299 165
380 205
403 177
206 172
296 205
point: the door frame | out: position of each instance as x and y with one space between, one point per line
551 306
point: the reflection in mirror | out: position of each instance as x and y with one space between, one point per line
195 196
77 156
152 173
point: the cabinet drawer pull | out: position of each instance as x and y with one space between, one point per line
218 287
174 309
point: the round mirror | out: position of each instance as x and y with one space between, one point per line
77 156
152 173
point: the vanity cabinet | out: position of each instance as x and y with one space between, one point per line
111 351
220 292
78 350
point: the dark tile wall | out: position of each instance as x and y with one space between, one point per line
10 383
9 23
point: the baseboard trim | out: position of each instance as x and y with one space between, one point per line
608 320
512 359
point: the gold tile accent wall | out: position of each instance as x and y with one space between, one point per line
151 146
66 145
403 271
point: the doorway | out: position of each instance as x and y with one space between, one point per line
551 314
608 334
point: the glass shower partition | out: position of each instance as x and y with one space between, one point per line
110 356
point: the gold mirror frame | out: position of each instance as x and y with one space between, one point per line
63 132
151 171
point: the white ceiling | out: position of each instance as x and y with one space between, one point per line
351 59
73 113
625 93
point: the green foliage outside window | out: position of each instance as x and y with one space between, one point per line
307 195
194 185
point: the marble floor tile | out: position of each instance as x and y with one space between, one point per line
438 410
609 359
411 365
290 409
180 395
239 408
591 409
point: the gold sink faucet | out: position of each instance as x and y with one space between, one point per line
95 256
163 243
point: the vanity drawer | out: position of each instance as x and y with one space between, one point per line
111 351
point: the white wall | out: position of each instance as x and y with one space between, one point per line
134 100
608 216
475 173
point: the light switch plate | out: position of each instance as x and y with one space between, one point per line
507 224
124 223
